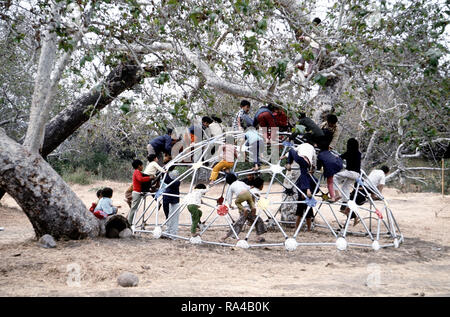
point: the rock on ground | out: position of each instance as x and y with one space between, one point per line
127 279
47 241
125 233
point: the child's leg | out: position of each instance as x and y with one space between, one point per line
136 199
193 209
330 186
173 221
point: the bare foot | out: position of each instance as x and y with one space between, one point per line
355 221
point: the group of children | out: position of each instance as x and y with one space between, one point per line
323 137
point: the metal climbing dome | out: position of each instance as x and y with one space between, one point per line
376 225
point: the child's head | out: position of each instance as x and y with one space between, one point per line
332 120
152 158
316 21
200 186
245 105
230 178
107 192
258 182
323 144
216 119
206 121
99 193
352 145
385 169
137 164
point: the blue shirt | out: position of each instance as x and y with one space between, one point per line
105 204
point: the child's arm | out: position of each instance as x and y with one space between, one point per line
159 168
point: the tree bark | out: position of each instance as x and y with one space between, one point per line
123 77
49 203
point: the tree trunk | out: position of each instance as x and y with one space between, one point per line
49 203
63 125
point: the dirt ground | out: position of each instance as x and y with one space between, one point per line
419 267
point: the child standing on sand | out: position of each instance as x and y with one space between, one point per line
194 201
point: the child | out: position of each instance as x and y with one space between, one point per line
331 163
348 176
258 184
105 206
194 200
99 196
304 158
228 153
254 142
171 203
136 196
242 119
153 167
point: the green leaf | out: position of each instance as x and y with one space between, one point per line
321 80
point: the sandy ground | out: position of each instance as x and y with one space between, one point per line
419 267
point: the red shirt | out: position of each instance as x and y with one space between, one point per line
281 119
266 119
138 179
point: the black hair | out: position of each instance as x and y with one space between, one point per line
107 192
331 118
385 169
230 178
207 120
200 186
302 115
272 107
169 131
217 119
258 182
136 164
245 103
151 157
317 20
99 193
323 144
352 145
171 168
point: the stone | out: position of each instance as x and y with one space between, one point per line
47 241
125 233
128 279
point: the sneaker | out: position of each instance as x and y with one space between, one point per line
1 228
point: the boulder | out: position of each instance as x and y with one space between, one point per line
127 279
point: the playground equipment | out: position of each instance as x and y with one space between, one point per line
376 227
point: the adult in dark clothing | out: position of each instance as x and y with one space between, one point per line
332 164
163 145
171 204
312 129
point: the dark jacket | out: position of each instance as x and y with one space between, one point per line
162 143
172 189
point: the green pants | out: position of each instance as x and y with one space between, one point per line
196 214
245 196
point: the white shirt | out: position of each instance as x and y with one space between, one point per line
236 188
306 149
216 129
377 177
152 168
195 197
